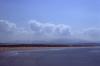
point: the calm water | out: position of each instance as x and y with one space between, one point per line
52 57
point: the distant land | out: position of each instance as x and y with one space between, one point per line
33 46
49 45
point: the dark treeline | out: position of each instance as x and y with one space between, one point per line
49 45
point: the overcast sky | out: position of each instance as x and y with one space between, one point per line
36 19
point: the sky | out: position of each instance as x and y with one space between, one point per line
30 20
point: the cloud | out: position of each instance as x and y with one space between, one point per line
63 30
6 26
92 34
6 30
35 26
49 29
38 31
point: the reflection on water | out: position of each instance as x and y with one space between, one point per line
52 57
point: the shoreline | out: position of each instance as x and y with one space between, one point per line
2 49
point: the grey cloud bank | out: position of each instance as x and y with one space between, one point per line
49 29
39 31
92 34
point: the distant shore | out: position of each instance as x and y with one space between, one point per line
47 45
35 47
14 46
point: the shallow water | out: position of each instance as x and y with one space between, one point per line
52 57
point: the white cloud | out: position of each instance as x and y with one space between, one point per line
49 29
6 30
63 30
43 31
38 31
6 26
92 34
35 26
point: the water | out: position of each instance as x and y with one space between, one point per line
52 57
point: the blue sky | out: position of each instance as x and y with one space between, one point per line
78 14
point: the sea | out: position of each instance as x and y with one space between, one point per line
61 56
